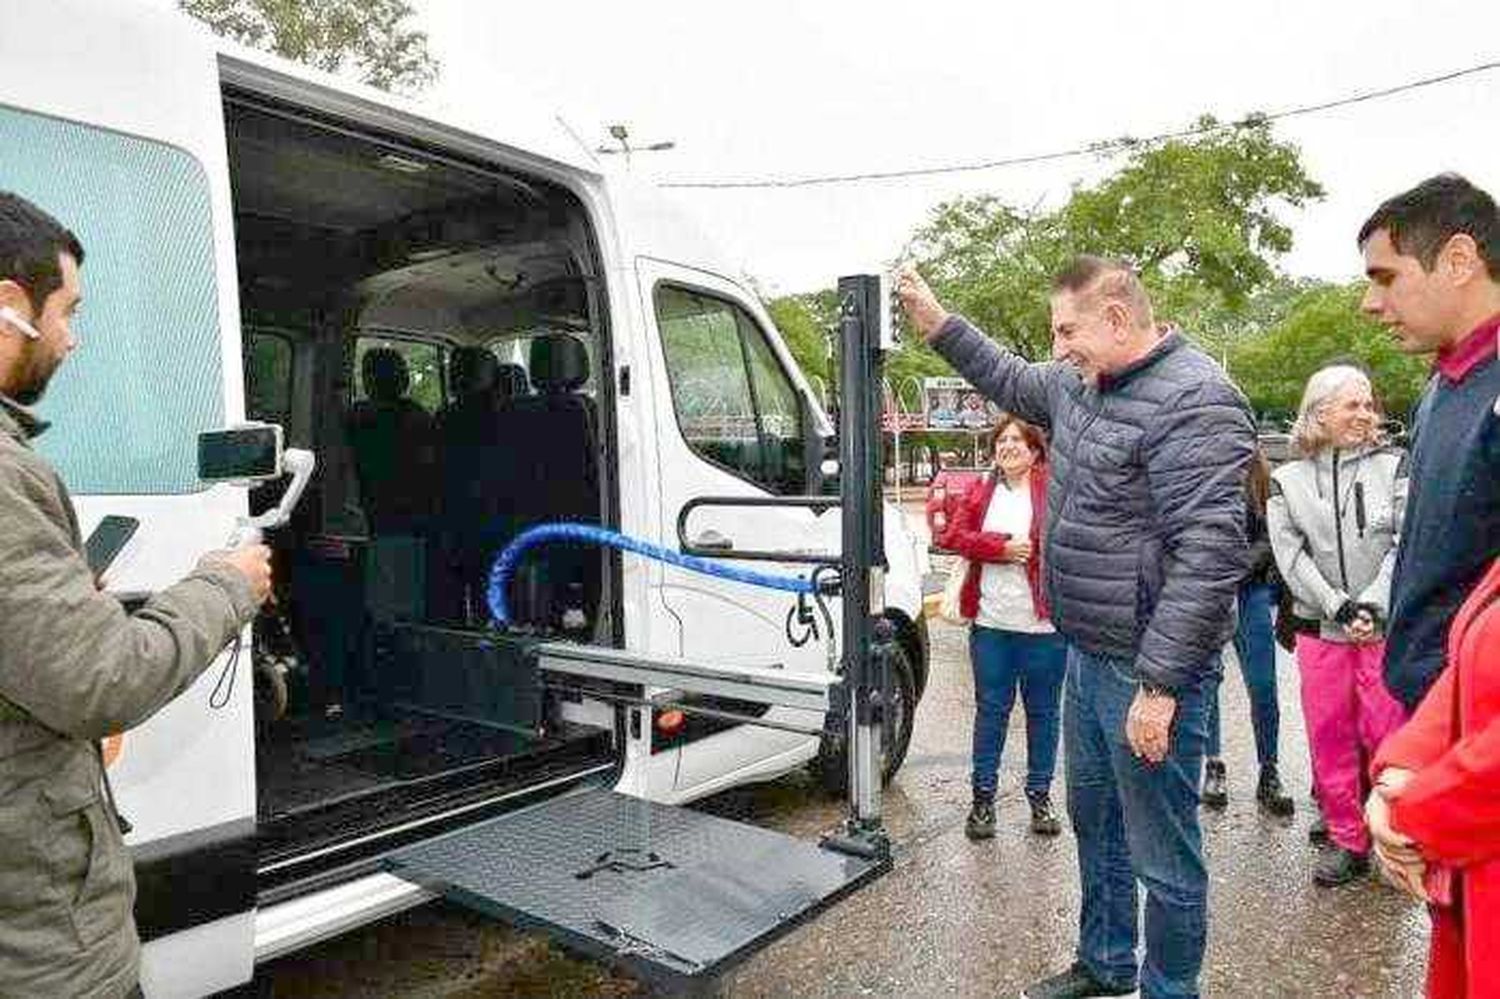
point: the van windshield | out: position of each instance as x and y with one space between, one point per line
127 406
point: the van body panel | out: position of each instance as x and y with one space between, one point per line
157 77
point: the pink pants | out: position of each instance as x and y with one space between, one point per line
1348 712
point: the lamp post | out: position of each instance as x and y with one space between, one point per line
621 134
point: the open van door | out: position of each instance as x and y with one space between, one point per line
111 122
731 423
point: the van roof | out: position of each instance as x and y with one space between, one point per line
519 122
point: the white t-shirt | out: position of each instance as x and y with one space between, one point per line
1004 592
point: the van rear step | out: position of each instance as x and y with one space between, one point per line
673 895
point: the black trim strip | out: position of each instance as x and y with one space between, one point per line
194 878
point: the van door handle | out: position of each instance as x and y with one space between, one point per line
712 541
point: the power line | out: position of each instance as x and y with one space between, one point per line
1093 148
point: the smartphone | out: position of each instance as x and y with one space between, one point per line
107 541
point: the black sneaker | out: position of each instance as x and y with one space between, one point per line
1215 792
1078 982
1044 821
981 821
1338 866
1317 833
1271 798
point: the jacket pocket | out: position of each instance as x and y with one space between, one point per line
89 866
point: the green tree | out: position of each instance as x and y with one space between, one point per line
804 322
1197 216
1321 324
372 36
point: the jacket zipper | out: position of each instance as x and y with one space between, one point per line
1338 521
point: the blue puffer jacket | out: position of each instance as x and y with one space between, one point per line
1146 513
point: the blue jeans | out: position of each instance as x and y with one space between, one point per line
1135 820
1002 661
1255 647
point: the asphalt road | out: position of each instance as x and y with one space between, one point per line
953 918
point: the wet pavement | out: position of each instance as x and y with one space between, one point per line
953 918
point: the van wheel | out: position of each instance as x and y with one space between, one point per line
832 764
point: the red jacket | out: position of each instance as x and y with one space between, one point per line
966 535
1451 807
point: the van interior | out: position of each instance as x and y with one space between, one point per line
434 330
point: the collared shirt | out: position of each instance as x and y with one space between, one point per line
1455 361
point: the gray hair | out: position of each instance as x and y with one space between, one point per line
1308 435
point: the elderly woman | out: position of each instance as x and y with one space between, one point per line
1334 517
998 527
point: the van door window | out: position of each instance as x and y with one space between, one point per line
268 381
735 404
148 374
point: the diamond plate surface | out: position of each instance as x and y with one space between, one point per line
670 889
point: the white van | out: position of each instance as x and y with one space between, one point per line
268 243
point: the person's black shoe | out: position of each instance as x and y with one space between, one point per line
1078 982
981 821
1044 821
1215 792
1268 793
1338 866
1317 833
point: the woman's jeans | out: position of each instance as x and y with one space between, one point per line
1003 661
1255 648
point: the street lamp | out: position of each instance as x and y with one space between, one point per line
621 134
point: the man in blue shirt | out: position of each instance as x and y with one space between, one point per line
1433 258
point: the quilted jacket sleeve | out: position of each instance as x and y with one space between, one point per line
1197 452
70 657
1006 378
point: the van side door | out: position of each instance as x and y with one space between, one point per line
112 122
732 421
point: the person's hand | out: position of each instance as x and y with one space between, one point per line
1018 550
253 562
1364 628
1397 856
920 304
1148 725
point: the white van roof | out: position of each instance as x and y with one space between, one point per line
515 119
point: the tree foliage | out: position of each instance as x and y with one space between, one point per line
1197 216
372 36
1321 324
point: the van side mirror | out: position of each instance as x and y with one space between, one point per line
820 455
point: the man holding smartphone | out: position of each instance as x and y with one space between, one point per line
74 667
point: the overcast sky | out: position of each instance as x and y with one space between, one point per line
780 89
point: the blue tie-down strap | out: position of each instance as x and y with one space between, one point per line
505 565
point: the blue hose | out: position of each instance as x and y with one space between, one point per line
505 565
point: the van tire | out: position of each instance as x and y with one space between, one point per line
832 763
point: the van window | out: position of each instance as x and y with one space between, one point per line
268 377
735 404
148 375
425 363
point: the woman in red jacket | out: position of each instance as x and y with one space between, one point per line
1435 814
998 527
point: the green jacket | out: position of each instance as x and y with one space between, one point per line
74 667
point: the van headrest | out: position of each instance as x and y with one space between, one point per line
559 363
510 381
472 371
386 375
